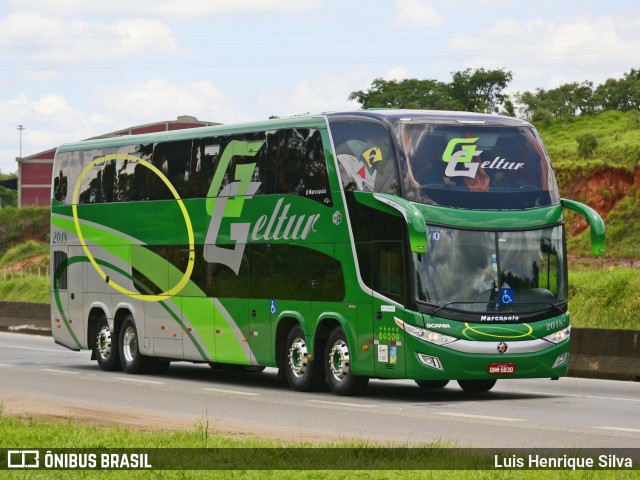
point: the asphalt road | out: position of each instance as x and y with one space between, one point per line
38 377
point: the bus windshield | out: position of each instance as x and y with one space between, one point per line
492 272
473 166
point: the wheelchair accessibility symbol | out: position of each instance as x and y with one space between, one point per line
273 307
506 295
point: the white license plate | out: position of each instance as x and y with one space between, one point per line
502 368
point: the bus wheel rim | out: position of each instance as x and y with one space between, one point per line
130 345
298 357
339 360
104 343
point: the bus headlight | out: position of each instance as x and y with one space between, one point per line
424 334
559 336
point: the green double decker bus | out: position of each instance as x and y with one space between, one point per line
391 244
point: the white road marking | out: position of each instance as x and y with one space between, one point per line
597 397
481 417
359 405
59 371
127 379
620 429
234 392
38 349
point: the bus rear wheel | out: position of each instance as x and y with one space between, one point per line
477 386
131 358
106 349
340 378
302 373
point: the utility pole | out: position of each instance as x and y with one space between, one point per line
20 129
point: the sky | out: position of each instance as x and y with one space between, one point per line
74 69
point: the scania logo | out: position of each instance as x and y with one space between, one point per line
503 347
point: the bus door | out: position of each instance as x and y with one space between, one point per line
389 283
76 289
68 285
359 308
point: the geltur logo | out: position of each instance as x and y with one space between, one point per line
280 224
464 155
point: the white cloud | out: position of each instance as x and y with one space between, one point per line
160 99
35 37
49 121
417 14
164 8
324 92
398 73
583 49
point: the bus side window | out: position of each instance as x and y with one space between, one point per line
366 157
302 168
265 165
58 259
61 178
206 160
388 270
92 183
127 174
173 159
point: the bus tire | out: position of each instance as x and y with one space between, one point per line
432 384
340 378
302 373
131 358
477 386
106 349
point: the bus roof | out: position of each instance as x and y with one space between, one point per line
308 121
435 116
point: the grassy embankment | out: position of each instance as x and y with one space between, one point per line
31 433
617 137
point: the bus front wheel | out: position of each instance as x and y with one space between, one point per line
132 360
476 386
106 349
340 378
303 373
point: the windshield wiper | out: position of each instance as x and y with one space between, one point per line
553 305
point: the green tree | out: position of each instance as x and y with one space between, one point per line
479 91
620 94
411 93
8 197
563 102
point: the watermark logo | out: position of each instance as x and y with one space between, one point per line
23 459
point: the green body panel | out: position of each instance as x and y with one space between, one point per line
596 225
485 219
410 211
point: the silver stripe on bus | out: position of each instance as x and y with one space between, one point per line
491 348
